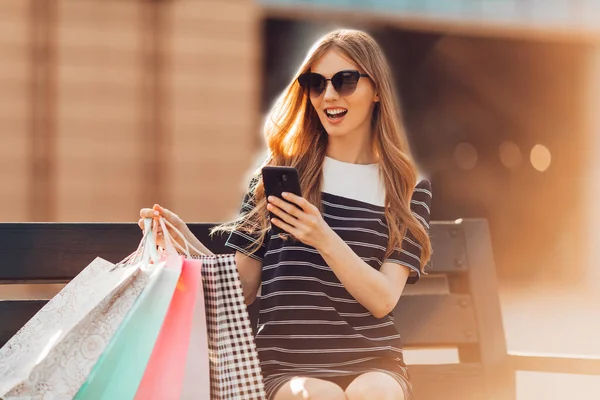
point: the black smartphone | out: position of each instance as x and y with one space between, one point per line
277 180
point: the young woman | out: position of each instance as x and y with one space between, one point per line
328 288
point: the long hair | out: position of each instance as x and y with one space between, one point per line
296 137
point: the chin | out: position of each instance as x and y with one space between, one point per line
336 131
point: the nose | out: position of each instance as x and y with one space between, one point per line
330 93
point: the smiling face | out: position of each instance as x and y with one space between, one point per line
343 114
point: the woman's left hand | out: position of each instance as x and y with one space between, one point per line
305 224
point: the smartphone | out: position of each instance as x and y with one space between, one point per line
277 180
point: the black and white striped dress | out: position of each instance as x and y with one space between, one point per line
309 325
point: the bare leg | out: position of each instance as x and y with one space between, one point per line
375 385
300 388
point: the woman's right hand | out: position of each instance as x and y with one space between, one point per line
158 211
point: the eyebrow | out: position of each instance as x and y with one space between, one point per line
339 70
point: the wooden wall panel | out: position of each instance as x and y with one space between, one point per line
14 110
99 113
213 90
142 102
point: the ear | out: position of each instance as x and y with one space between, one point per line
376 98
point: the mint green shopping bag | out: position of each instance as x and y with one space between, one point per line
119 370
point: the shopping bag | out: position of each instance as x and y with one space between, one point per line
164 375
234 366
196 382
120 369
53 353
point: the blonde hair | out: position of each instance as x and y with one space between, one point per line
296 137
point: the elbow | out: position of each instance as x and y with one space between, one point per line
381 312
384 306
249 298
250 295
383 309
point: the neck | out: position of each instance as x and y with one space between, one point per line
352 148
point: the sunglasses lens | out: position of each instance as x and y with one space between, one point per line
312 83
345 82
317 84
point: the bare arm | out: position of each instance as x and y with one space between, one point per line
377 291
250 271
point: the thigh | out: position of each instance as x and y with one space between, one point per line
378 385
309 388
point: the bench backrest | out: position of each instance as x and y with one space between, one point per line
455 306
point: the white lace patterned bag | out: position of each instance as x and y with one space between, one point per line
57 348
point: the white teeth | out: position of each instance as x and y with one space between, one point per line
335 111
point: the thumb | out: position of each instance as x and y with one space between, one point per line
164 212
160 209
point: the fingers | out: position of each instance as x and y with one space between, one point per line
155 227
285 206
286 227
155 212
291 197
147 213
158 211
282 214
168 215
163 212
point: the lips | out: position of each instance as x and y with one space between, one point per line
335 115
337 112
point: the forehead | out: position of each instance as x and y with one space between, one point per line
331 62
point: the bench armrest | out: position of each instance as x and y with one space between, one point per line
555 363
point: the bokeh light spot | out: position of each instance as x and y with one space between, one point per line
540 157
465 155
510 154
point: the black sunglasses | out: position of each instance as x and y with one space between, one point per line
344 82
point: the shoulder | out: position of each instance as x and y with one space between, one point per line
420 203
423 188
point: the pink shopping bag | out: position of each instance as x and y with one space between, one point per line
165 372
196 384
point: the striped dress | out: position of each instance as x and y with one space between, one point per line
309 325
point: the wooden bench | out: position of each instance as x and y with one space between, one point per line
455 306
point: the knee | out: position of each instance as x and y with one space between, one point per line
326 392
367 391
310 389
374 386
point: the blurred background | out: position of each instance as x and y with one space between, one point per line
108 106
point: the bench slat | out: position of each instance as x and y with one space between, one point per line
556 363
14 314
37 252
428 320
58 252
25 247
458 381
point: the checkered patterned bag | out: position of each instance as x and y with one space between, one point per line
235 372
